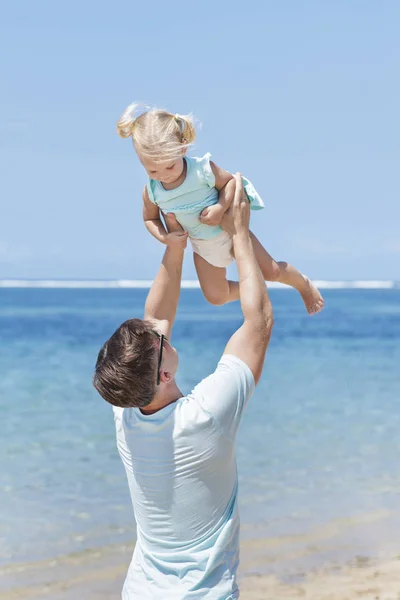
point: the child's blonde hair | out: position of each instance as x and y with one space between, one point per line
156 133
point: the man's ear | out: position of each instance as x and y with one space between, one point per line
166 376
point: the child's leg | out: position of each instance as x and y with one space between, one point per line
214 284
284 273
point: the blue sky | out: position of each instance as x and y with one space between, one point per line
303 97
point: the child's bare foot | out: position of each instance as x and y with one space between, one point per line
312 298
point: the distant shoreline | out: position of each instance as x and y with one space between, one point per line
186 284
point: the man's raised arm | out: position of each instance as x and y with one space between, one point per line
163 297
250 341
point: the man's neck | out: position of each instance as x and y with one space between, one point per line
162 399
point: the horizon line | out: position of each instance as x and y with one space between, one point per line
186 284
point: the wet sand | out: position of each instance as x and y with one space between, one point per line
320 564
353 582
98 575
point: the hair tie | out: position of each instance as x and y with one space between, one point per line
177 117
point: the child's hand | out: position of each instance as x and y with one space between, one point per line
212 215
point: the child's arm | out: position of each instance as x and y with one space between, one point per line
151 218
225 184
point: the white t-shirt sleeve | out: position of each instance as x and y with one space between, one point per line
225 393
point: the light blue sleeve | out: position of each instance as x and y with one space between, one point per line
150 191
224 394
204 170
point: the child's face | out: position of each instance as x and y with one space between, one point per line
166 172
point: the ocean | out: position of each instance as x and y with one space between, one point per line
318 450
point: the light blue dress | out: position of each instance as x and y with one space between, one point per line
193 195
181 469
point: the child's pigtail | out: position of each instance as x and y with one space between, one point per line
187 128
127 121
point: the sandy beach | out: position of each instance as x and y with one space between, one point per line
359 580
98 575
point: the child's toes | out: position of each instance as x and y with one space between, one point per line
312 298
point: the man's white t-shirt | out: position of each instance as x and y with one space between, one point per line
181 469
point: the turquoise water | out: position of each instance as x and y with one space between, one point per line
320 440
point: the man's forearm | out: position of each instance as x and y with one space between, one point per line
162 300
254 296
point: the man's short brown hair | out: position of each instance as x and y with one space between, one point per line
125 373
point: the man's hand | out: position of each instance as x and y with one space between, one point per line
250 341
237 218
212 215
176 237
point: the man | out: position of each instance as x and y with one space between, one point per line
179 451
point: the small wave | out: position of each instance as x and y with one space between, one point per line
361 285
186 284
85 284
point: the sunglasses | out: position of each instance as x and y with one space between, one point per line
161 337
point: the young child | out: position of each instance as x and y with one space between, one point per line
198 193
